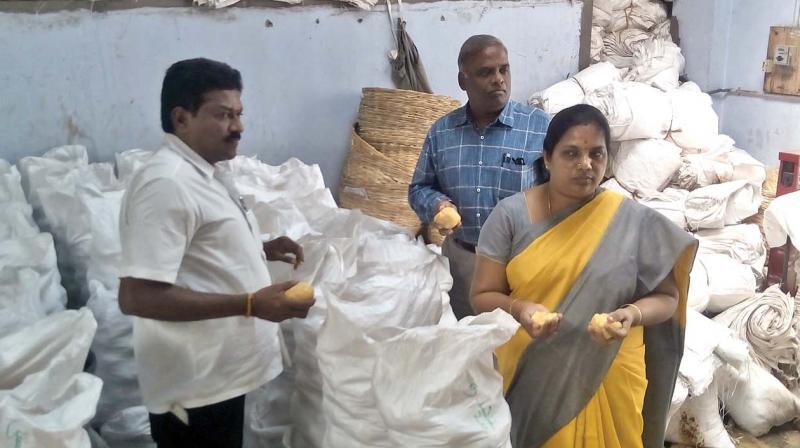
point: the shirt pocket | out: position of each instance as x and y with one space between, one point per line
516 174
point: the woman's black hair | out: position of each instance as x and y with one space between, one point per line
562 122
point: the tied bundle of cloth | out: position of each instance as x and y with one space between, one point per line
768 322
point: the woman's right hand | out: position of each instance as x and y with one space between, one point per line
524 315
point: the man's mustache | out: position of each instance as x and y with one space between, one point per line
236 136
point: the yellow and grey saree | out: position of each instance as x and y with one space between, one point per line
565 390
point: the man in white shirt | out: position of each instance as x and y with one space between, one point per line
194 271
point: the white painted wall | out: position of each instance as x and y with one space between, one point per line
763 125
728 54
704 27
94 78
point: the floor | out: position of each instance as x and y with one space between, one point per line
785 436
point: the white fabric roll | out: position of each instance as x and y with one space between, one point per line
767 321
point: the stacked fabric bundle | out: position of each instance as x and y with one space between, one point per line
634 35
51 185
761 336
694 411
80 202
572 90
30 284
768 322
731 377
45 397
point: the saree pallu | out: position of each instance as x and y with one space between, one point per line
565 390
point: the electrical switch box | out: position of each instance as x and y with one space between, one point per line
783 55
782 65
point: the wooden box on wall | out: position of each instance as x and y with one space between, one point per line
780 78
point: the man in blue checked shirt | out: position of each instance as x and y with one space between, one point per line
475 156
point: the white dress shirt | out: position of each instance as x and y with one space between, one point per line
182 222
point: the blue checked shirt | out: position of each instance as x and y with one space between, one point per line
476 169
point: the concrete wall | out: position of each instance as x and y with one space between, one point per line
725 42
768 124
704 27
94 78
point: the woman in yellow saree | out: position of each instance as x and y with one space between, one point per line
569 247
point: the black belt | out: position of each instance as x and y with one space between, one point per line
464 245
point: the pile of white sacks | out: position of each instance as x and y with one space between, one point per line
668 154
78 203
634 35
45 398
382 323
30 285
380 360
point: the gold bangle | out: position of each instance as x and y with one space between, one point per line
639 310
249 309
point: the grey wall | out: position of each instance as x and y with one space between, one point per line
725 42
94 78
704 28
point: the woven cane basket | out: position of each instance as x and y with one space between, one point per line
395 121
392 125
376 185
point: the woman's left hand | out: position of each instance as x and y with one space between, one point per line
625 316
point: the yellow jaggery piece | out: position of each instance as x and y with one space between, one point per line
301 292
447 218
600 321
540 317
